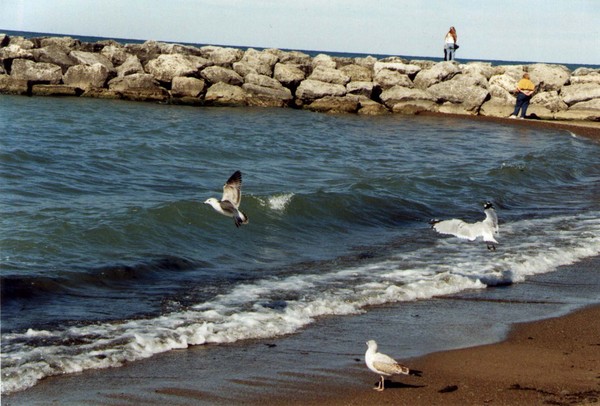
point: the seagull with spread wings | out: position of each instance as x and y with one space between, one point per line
230 202
485 229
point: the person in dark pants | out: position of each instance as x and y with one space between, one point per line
525 89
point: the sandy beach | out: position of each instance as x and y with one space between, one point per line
554 361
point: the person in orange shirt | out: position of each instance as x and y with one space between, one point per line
525 89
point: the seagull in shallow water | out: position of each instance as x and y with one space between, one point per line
485 229
230 202
384 365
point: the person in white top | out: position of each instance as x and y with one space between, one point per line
450 44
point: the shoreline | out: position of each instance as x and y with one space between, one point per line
324 363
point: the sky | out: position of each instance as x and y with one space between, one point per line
553 31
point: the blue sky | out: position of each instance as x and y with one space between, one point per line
563 31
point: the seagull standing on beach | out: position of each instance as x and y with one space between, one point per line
384 365
230 202
486 228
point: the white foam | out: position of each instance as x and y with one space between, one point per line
527 247
279 202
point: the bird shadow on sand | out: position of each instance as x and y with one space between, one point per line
399 385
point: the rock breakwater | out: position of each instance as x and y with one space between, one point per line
222 76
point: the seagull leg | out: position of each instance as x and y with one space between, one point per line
380 384
491 247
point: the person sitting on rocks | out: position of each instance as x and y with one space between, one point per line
525 89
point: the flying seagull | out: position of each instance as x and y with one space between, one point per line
384 365
486 228
229 204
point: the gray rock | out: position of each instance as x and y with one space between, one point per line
324 61
580 93
131 65
496 108
288 75
262 80
4 40
224 94
281 96
295 58
357 73
187 87
216 74
56 55
243 69
401 67
179 49
592 77
54 90
11 52
593 104
414 107
366 62
261 62
145 52
398 94
468 91
222 56
24 69
165 67
550 100
21 42
86 76
334 104
139 86
438 73
91 58
549 77
65 43
329 75
310 90
116 54
386 78
10 85
368 107
360 89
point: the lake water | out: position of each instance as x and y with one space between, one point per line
109 255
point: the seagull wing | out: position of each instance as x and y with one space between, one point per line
492 217
232 190
389 366
458 228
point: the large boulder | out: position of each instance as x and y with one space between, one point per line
360 88
54 54
357 73
139 86
10 85
294 58
65 43
261 62
40 72
187 87
324 61
54 90
467 90
398 94
179 49
334 104
549 77
502 87
91 58
216 74
269 91
310 90
14 52
86 76
131 65
116 54
222 56
550 100
401 67
368 107
225 94
580 93
145 52
165 67
437 73
386 78
329 75
288 75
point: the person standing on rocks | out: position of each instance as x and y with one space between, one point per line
525 89
450 44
